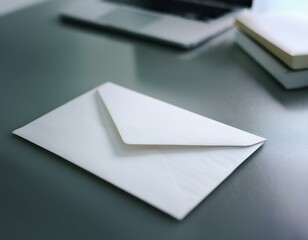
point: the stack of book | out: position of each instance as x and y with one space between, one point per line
279 43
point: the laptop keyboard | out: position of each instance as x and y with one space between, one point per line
130 20
204 13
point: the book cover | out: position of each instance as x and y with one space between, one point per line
289 78
284 35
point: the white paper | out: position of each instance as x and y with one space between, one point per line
174 178
9 6
287 31
280 6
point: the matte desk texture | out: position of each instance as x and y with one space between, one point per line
45 62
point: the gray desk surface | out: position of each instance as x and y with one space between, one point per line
45 62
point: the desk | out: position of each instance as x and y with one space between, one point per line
45 62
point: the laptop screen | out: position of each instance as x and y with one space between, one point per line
193 9
239 3
246 3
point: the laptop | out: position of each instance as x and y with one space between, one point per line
181 23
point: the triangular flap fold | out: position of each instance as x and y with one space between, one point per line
143 120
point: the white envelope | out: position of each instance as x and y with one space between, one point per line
168 157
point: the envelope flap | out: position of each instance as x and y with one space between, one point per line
144 120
